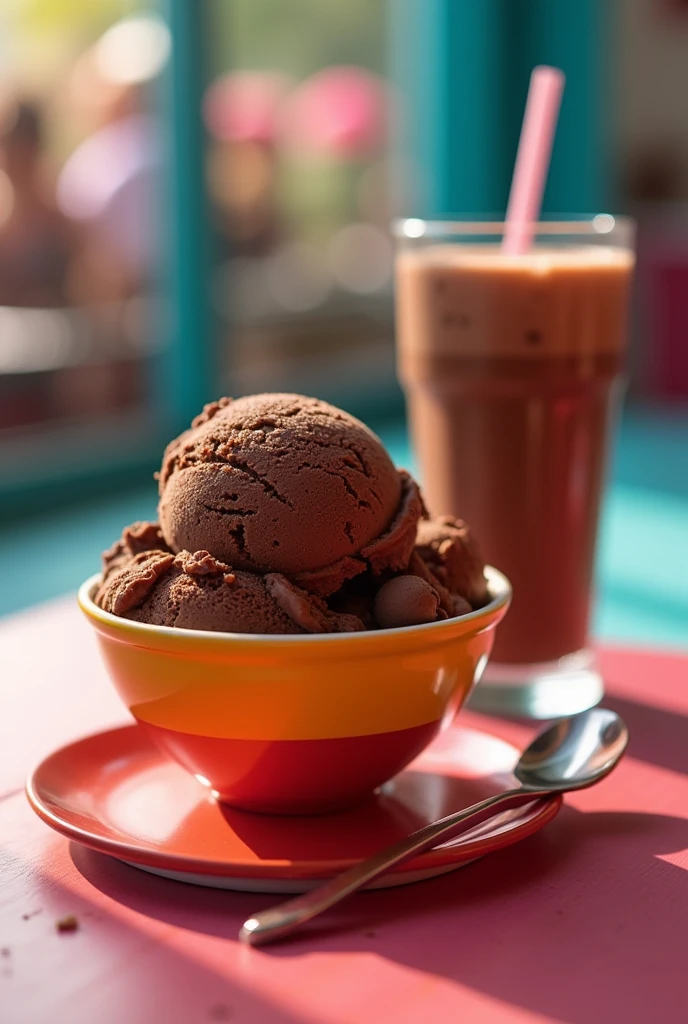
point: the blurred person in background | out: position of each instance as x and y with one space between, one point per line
242 115
37 241
108 187
110 182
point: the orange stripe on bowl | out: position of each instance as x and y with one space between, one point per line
288 699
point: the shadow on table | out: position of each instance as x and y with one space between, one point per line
109 969
577 923
657 736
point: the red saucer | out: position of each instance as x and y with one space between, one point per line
116 793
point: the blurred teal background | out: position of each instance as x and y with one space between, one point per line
194 200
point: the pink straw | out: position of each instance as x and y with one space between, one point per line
532 160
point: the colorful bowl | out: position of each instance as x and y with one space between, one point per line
296 724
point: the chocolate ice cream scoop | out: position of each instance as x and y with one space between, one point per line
197 591
192 591
407 601
282 514
309 611
287 484
390 551
140 536
130 584
447 547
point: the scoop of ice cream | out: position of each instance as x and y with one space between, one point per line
460 606
192 591
140 536
130 583
197 591
307 610
390 551
417 567
287 484
447 547
406 601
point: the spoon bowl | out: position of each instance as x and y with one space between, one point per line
573 753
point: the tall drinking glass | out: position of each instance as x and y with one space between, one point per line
512 367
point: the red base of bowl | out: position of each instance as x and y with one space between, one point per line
294 776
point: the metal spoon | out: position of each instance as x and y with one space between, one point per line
571 754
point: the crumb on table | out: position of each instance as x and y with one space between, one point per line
68 923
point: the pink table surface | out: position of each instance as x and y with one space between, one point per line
585 922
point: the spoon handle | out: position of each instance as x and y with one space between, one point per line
285 918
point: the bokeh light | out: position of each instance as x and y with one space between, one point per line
133 50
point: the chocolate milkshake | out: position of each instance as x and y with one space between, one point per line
511 367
